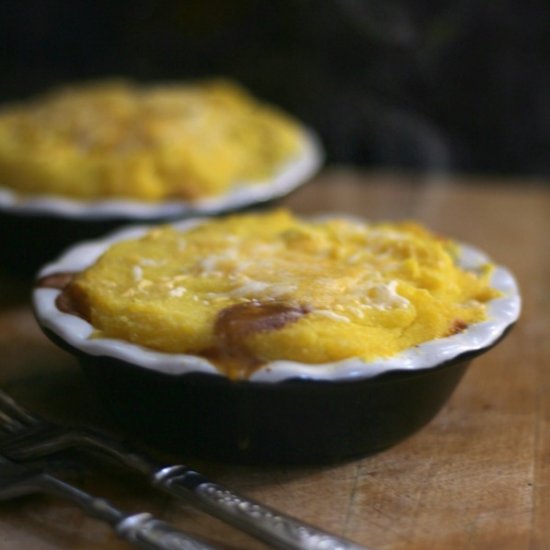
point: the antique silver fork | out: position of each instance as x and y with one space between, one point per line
26 436
141 529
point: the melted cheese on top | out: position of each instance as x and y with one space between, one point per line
116 139
364 290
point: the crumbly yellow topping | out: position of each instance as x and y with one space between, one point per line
118 139
353 289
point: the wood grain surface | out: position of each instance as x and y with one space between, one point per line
477 477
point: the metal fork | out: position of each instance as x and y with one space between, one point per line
30 437
141 529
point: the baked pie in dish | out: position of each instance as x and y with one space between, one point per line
286 339
110 152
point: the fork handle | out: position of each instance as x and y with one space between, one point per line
145 531
258 520
141 530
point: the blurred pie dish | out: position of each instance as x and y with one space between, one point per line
81 160
144 143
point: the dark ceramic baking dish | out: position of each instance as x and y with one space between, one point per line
35 229
296 421
287 412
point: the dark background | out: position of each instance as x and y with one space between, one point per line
429 85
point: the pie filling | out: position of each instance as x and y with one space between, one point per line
151 143
248 289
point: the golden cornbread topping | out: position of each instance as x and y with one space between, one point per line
249 289
150 143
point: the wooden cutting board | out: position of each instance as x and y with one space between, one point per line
476 477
